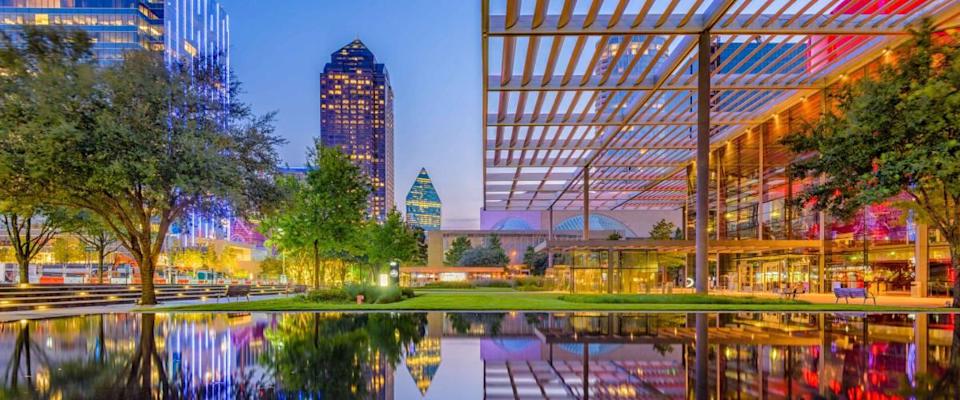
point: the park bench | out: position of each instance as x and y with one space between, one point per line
296 289
235 291
791 293
850 293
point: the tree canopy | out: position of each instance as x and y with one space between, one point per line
139 142
663 230
455 252
490 254
892 134
324 212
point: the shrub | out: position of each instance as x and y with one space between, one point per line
407 293
387 295
450 285
353 290
494 283
532 284
328 296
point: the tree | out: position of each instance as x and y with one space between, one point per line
421 236
139 143
459 246
271 267
323 213
94 234
894 134
614 236
393 240
662 230
536 262
491 254
65 250
29 229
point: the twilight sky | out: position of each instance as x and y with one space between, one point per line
432 51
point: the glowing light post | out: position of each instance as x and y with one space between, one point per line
392 278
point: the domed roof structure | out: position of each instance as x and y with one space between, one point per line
512 224
598 222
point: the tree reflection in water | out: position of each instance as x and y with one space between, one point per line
339 356
349 356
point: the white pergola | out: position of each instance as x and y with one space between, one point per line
604 104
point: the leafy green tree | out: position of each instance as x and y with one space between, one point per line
536 262
94 234
615 236
491 254
459 246
893 134
29 229
662 230
324 213
65 250
139 143
271 267
392 240
421 236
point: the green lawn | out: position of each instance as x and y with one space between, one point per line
470 300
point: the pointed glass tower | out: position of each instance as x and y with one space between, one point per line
423 203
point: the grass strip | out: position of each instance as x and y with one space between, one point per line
521 301
675 299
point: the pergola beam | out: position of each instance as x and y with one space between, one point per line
768 24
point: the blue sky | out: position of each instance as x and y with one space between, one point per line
432 52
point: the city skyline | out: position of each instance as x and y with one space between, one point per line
435 82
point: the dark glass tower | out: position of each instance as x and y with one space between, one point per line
423 203
356 115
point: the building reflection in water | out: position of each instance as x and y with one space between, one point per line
521 355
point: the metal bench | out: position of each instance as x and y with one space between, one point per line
849 293
296 289
235 291
791 293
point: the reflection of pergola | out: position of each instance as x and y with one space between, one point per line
604 105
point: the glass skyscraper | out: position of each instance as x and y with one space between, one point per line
423 203
356 115
179 28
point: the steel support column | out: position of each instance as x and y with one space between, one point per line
703 162
921 257
586 202
760 184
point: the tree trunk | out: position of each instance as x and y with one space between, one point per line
100 258
316 265
955 261
147 294
24 270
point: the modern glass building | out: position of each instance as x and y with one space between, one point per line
356 115
423 203
698 135
179 28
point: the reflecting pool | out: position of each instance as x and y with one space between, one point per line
482 355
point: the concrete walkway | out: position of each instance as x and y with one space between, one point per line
829 298
111 309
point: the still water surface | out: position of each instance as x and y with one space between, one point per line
482 355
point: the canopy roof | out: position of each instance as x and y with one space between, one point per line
613 85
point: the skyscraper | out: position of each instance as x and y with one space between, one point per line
356 115
423 203
179 28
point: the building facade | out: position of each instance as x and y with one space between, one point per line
356 115
423 203
179 28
